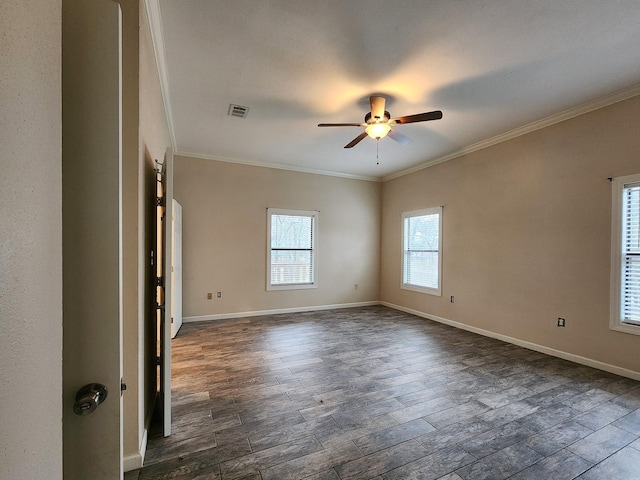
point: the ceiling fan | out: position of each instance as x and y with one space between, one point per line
378 123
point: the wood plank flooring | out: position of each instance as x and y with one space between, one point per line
373 393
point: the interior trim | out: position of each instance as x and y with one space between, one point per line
523 130
279 166
480 331
155 23
523 343
135 461
152 8
503 137
257 313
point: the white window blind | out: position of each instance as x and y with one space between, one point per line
422 245
630 284
625 255
291 255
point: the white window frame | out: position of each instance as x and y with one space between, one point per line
616 322
418 288
314 214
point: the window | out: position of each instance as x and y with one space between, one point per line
625 255
422 247
291 259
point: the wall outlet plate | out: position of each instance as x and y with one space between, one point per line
561 322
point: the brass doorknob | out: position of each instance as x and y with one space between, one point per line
89 397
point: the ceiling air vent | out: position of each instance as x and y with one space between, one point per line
238 111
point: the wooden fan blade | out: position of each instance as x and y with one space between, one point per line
342 124
377 107
356 140
399 137
418 117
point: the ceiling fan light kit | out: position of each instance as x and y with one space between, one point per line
378 123
377 130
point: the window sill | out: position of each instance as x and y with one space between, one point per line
429 291
625 327
299 286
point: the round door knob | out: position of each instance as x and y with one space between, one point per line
89 397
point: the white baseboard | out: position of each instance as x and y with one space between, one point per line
480 331
135 461
132 462
257 313
522 343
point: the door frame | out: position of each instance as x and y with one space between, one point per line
176 269
164 200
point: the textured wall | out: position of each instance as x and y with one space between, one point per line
526 234
154 140
131 330
30 240
225 228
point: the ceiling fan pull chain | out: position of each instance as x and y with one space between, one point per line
377 145
378 123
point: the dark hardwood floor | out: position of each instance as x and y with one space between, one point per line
373 393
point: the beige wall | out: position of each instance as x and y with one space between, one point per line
30 240
526 234
224 236
153 142
131 408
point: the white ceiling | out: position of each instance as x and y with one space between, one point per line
496 69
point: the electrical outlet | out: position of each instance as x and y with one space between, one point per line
452 299
561 322
219 295
209 296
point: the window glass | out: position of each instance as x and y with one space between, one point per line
291 256
625 256
421 265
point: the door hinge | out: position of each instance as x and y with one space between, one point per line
123 386
158 361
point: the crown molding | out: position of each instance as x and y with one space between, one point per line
279 166
152 7
154 15
525 129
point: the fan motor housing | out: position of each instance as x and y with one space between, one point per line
386 118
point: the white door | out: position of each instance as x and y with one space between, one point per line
165 327
91 225
176 270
